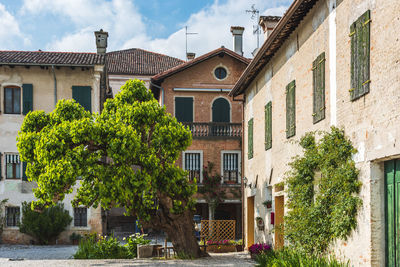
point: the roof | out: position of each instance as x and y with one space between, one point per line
50 58
159 77
139 61
286 25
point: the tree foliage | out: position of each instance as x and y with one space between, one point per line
44 226
322 192
125 156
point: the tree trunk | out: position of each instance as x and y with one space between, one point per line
211 211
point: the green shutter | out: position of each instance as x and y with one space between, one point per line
221 110
83 96
268 125
184 109
27 98
360 56
291 109
250 139
24 177
319 88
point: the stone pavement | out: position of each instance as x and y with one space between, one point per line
60 256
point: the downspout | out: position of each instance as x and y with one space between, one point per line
55 85
162 92
242 167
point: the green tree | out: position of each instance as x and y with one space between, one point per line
125 156
44 226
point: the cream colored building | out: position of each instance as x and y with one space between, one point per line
36 81
317 35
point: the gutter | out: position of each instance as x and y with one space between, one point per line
48 65
55 85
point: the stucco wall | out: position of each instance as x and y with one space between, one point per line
372 122
17 191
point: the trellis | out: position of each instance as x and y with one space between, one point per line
218 230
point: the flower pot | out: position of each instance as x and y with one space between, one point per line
221 248
239 248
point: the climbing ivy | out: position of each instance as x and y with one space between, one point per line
322 188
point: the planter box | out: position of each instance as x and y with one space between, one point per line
145 251
221 248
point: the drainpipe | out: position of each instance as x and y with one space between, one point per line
242 176
55 85
162 92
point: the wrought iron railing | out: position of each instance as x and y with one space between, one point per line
215 129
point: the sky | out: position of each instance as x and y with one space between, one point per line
154 25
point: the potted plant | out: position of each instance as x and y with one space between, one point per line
239 245
75 238
257 249
268 204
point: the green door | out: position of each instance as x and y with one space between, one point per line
392 212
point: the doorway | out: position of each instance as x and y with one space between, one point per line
279 213
392 212
250 221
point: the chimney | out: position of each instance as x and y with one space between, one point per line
190 56
268 24
101 41
237 33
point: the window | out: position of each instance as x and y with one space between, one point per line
360 54
220 73
250 139
221 110
319 88
268 125
291 109
12 100
12 216
80 217
13 166
184 109
230 167
192 164
83 96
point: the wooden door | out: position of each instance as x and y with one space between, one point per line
279 213
250 221
392 212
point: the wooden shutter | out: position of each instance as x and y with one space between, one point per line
184 109
83 96
360 56
27 98
319 88
291 109
221 110
250 139
268 125
24 177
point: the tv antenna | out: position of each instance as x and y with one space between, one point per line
255 14
186 35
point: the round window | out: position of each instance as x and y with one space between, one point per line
220 73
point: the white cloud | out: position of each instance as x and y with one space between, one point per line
10 33
127 28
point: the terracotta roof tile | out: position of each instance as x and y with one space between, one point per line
139 61
50 58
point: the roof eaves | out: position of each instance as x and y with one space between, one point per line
280 33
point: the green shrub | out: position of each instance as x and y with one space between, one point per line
44 226
132 242
292 258
101 247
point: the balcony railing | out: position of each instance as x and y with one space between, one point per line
215 129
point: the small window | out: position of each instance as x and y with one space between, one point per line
193 165
12 100
13 166
231 167
80 217
220 73
12 216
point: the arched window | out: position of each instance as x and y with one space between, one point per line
221 110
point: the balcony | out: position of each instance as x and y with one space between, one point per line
215 130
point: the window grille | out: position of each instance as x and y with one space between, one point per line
80 217
192 165
230 167
12 216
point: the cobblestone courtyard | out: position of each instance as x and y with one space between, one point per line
57 256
